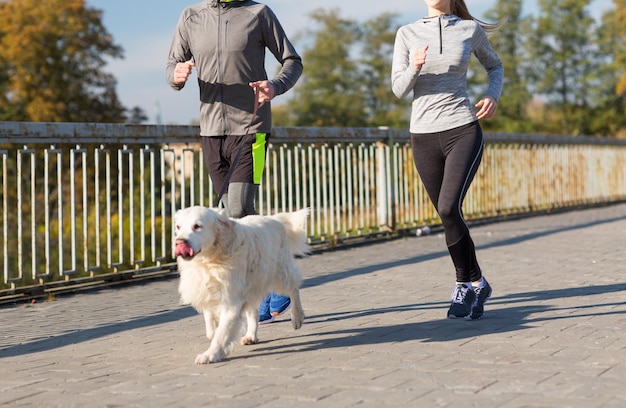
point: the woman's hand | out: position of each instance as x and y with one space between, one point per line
487 108
419 57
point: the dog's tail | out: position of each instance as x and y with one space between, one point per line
295 223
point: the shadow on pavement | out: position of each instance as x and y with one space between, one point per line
81 335
319 280
533 311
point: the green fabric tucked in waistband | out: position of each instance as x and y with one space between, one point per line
258 157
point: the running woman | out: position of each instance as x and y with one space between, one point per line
430 60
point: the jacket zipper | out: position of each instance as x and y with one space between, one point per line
440 36
219 68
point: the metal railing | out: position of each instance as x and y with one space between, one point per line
86 203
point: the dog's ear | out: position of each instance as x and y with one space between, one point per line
224 234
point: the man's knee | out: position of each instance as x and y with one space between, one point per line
241 198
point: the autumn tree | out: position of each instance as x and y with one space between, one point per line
52 55
620 17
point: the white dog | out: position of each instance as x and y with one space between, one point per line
227 266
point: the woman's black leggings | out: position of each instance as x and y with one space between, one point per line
447 163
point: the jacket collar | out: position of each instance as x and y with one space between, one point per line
224 3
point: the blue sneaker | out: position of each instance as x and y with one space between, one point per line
264 311
478 307
462 301
279 304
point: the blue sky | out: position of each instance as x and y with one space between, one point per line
144 28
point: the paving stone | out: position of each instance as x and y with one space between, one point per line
375 333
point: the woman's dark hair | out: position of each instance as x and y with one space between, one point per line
458 8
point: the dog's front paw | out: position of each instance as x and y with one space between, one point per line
296 320
297 314
210 357
202 359
249 340
296 323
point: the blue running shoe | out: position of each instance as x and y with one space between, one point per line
264 311
279 304
478 307
462 301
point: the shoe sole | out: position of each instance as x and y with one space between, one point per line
276 314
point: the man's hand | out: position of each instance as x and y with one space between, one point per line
487 108
182 71
263 90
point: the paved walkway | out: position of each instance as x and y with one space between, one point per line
554 334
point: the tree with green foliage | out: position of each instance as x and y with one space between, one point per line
562 72
327 92
608 113
136 116
381 106
52 55
563 61
347 75
512 113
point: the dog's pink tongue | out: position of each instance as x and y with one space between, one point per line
183 249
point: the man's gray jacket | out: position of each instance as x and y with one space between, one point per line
227 41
